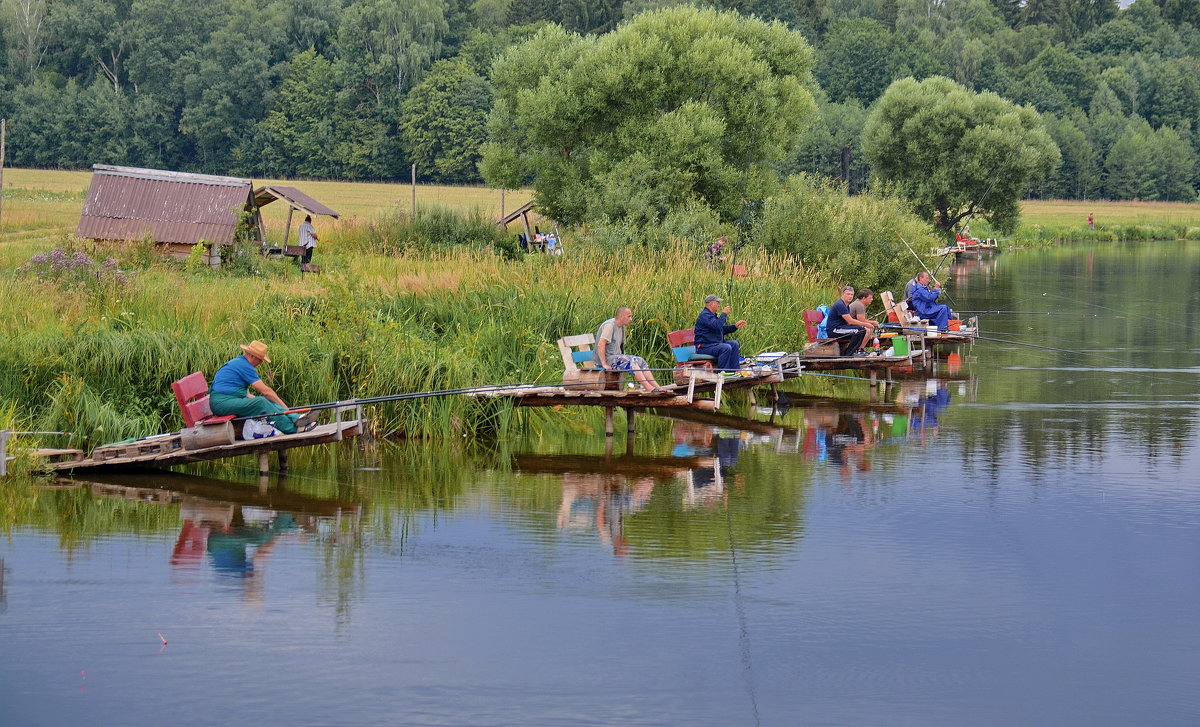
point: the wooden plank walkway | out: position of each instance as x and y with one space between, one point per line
167 450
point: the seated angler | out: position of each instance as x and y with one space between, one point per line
710 335
842 326
610 352
925 305
228 393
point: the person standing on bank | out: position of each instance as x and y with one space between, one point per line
308 239
610 352
228 393
710 335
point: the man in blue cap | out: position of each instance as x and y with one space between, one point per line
710 335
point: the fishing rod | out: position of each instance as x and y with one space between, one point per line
925 267
1027 313
995 177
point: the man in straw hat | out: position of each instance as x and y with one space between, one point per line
228 393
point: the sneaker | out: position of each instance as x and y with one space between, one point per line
307 418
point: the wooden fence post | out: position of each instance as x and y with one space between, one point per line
3 134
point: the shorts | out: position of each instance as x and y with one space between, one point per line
624 362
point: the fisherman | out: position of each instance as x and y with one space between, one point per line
610 352
925 302
843 327
858 313
228 393
710 335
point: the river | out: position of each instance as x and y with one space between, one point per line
1015 541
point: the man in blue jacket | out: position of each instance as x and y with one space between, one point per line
710 335
924 302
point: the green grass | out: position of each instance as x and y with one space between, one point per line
374 325
396 311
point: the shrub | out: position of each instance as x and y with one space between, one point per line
861 240
77 272
432 228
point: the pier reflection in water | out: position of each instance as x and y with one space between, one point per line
1013 542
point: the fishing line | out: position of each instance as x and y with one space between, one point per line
740 611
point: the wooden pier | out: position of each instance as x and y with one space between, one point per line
168 450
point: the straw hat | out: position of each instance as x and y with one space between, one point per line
257 349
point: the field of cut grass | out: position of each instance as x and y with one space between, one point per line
1074 213
43 204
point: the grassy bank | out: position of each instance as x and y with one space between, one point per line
101 365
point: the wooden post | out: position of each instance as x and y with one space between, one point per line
282 457
629 421
502 203
263 465
608 421
414 190
287 231
3 452
3 134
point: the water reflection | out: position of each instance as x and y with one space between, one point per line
230 528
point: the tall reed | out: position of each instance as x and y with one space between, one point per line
372 325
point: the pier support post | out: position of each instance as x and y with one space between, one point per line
263 466
629 421
608 421
282 458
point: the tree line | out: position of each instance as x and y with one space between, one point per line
362 89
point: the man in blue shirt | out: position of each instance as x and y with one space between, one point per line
228 393
924 302
842 326
710 335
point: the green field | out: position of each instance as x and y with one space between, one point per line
40 205
1063 213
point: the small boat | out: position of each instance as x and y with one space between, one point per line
969 246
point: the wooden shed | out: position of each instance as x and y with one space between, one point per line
178 209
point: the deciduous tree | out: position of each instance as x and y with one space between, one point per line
678 104
954 153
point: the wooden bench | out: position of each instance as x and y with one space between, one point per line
683 350
580 372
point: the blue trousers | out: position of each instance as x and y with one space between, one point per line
938 315
728 353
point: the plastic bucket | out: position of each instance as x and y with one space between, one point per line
954 325
900 344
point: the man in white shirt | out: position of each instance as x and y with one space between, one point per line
308 239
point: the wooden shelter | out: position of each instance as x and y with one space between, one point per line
295 199
179 210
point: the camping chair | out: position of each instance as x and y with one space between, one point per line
683 349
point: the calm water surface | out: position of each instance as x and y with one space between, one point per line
1013 542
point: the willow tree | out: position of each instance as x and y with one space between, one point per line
954 153
677 106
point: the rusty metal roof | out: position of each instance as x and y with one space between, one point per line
126 203
294 197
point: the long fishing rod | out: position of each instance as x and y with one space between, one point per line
995 177
924 266
1028 313
737 241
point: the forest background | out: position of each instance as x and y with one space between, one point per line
363 89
